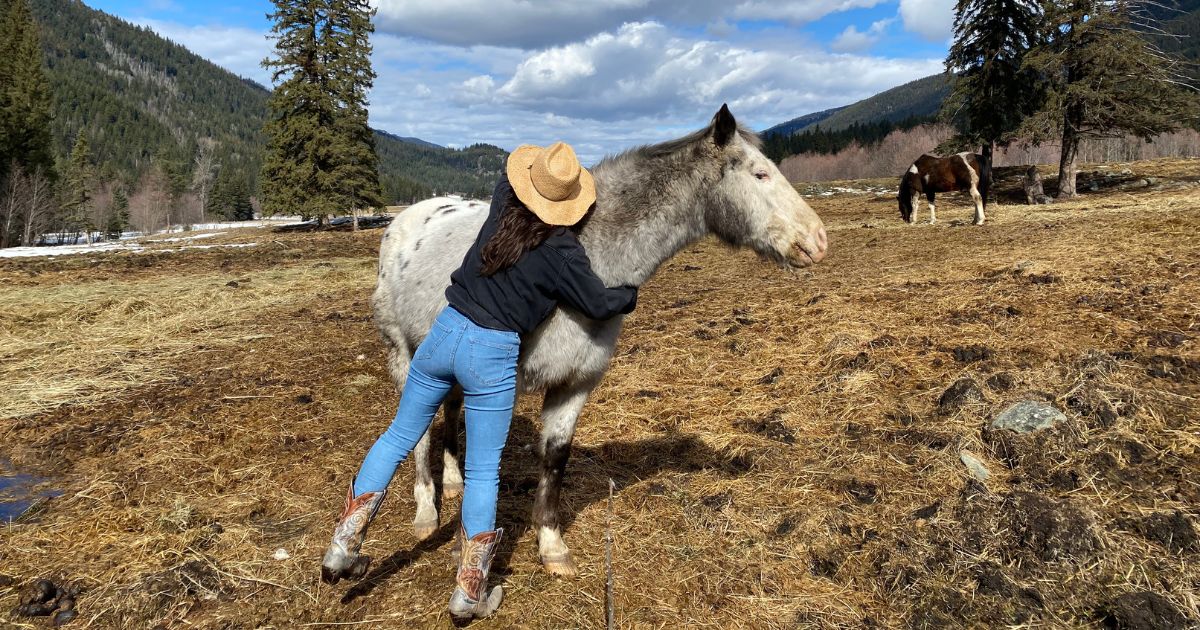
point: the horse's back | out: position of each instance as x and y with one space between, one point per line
421 248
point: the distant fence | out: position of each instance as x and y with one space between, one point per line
897 151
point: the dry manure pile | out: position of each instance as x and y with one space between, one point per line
812 450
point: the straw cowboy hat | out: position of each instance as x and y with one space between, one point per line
551 182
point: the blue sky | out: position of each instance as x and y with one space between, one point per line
600 74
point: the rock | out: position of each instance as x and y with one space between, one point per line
1028 416
974 465
232 284
964 390
1150 181
281 554
65 616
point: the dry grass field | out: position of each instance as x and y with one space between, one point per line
783 450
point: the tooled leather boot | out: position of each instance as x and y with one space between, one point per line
471 598
341 558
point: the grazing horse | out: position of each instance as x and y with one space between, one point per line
929 175
651 202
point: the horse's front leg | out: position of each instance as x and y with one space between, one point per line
932 209
559 414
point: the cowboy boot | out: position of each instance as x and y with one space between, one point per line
471 599
341 558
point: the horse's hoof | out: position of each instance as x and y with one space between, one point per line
424 529
452 490
561 566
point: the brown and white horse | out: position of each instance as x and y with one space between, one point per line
930 175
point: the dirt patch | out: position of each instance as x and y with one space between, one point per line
1143 611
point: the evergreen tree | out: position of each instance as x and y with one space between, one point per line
118 215
320 159
992 93
347 52
77 189
230 197
1105 79
24 92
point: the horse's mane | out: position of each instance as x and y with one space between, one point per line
672 147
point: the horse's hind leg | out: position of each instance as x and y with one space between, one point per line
932 208
452 481
559 414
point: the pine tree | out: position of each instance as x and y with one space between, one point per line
118 215
347 51
77 189
1105 79
24 92
992 93
320 158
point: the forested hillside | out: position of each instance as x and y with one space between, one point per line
141 100
916 99
865 122
796 124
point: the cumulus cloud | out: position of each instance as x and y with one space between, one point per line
931 19
239 50
646 69
641 82
853 40
533 25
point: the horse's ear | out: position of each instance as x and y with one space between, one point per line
724 127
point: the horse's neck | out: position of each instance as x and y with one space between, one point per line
640 222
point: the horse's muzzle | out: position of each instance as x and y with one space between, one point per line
811 252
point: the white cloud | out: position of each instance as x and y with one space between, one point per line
931 19
647 70
853 40
533 25
239 50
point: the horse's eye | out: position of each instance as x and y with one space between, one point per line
762 175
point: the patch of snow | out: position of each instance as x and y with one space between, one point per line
101 248
187 238
65 250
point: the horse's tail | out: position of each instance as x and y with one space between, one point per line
985 175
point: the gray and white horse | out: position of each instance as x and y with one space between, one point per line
651 202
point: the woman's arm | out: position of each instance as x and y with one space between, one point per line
581 289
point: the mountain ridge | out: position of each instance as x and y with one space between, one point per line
144 100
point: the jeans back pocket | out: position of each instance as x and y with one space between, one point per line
492 362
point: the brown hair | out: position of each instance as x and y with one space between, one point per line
520 231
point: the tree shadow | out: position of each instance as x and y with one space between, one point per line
626 462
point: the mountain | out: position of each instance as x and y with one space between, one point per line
141 100
917 99
796 124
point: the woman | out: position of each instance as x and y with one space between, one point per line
524 263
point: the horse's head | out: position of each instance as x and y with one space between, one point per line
753 204
905 197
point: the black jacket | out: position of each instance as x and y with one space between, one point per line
521 297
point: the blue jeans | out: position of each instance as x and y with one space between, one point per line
484 362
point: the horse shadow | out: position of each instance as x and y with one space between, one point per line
586 482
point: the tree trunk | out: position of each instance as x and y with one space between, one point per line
1067 167
354 220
